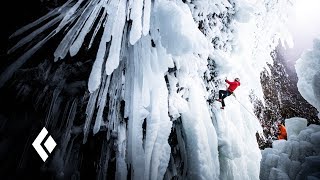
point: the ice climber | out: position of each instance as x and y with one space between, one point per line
225 93
282 132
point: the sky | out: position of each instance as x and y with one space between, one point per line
304 26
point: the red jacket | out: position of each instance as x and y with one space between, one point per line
282 132
232 85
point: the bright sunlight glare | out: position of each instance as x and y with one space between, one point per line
307 10
304 26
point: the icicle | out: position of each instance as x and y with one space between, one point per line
117 31
66 111
157 149
102 104
121 166
75 47
114 93
103 84
55 114
111 10
72 113
55 96
39 100
97 27
7 74
69 14
128 84
35 23
40 20
146 16
89 113
148 78
34 34
95 75
135 149
135 16
66 42
104 160
69 149
67 132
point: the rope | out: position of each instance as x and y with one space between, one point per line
264 138
247 109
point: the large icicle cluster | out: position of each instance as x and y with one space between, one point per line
144 62
158 57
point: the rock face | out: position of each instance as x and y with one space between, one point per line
282 98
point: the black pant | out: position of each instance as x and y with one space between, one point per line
223 94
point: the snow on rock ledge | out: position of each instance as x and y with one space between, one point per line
295 125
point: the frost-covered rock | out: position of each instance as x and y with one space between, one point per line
179 33
307 68
294 126
296 158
